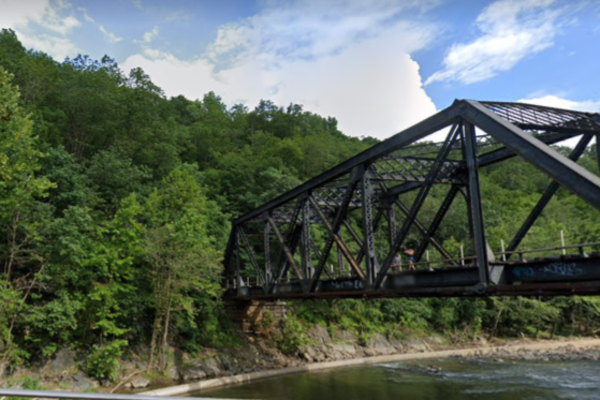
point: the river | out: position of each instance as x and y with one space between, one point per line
443 379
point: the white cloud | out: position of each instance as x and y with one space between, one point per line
53 17
552 100
150 35
111 37
87 16
308 28
350 60
511 30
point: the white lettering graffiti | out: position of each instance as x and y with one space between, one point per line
562 269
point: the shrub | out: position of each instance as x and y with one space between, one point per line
293 335
103 362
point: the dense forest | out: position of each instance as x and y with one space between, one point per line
115 204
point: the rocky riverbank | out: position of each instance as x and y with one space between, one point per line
255 353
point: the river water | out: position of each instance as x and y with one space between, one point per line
444 379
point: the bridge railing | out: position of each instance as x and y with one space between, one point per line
501 257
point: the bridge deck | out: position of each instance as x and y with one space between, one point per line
553 276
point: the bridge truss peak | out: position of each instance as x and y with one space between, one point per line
340 233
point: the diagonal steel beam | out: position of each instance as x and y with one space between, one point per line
417 204
288 254
504 153
351 231
354 234
291 242
394 191
566 172
283 271
333 237
424 231
250 253
437 220
229 250
545 199
418 131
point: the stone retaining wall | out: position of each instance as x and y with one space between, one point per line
246 315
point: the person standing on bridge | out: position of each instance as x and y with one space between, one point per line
397 263
411 259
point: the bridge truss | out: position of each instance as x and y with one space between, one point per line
337 234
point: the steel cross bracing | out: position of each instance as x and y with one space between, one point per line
338 233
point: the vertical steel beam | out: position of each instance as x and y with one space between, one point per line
306 254
340 261
475 208
238 261
376 222
546 197
267 244
371 264
417 204
391 224
598 151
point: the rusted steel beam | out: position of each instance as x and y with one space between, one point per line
285 248
334 238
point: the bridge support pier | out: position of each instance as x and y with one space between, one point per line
247 315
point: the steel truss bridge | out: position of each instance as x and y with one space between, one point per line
337 234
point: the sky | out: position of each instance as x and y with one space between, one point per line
377 66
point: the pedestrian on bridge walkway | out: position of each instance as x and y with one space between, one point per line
411 259
397 263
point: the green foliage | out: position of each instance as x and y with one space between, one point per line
28 383
293 335
103 361
267 321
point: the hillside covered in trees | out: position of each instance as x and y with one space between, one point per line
115 204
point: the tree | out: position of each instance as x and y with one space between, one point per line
22 214
181 254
